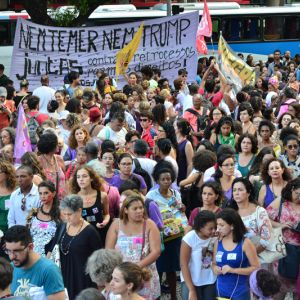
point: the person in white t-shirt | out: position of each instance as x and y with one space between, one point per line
196 255
45 93
114 130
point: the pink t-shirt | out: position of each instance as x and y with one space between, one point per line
217 97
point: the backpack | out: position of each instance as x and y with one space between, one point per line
202 121
32 125
190 196
140 171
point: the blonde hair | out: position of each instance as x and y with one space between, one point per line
144 106
165 93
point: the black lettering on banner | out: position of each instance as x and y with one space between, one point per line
41 35
92 36
61 38
23 37
107 37
116 39
73 40
49 65
53 32
30 37
128 35
81 41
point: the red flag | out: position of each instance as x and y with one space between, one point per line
201 45
205 25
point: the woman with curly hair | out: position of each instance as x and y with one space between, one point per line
275 176
247 149
7 186
43 221
31 160
79 136
88 185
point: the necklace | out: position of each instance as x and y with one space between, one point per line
273 191
65 251
49 161
44 212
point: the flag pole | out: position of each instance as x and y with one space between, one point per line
212 46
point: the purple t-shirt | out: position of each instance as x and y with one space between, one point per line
117 181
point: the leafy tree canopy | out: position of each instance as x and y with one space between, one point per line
76 16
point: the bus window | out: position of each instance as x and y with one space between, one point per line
215 31
13 26
291 27
241 28
5 33
273 28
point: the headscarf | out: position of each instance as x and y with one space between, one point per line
255 289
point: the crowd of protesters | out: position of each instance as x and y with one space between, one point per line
129 193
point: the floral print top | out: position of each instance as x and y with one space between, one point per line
259 227
288 215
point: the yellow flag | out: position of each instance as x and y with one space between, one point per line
125 55
234 67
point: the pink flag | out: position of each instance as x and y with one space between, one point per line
201 45
205 25
22 142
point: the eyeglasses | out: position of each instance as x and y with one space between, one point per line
290 147
143 120
217 114
228 165
15 252
23 205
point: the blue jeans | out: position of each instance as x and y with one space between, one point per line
205 292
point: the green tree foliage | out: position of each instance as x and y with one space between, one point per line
38 11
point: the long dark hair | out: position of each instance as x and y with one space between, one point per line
54 211
249 188
231 217
218 173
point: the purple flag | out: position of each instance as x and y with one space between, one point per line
22 143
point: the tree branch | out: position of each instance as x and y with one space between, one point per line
37 9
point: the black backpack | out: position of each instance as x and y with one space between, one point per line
202 121
140 171
190 196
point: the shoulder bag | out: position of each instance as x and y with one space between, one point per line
277 244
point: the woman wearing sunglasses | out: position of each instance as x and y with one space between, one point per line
291 157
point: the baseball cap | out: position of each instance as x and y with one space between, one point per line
3 92
94 113
63 115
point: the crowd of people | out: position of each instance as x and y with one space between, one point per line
130 192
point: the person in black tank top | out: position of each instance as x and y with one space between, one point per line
87 184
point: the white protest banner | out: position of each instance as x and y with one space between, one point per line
168 43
